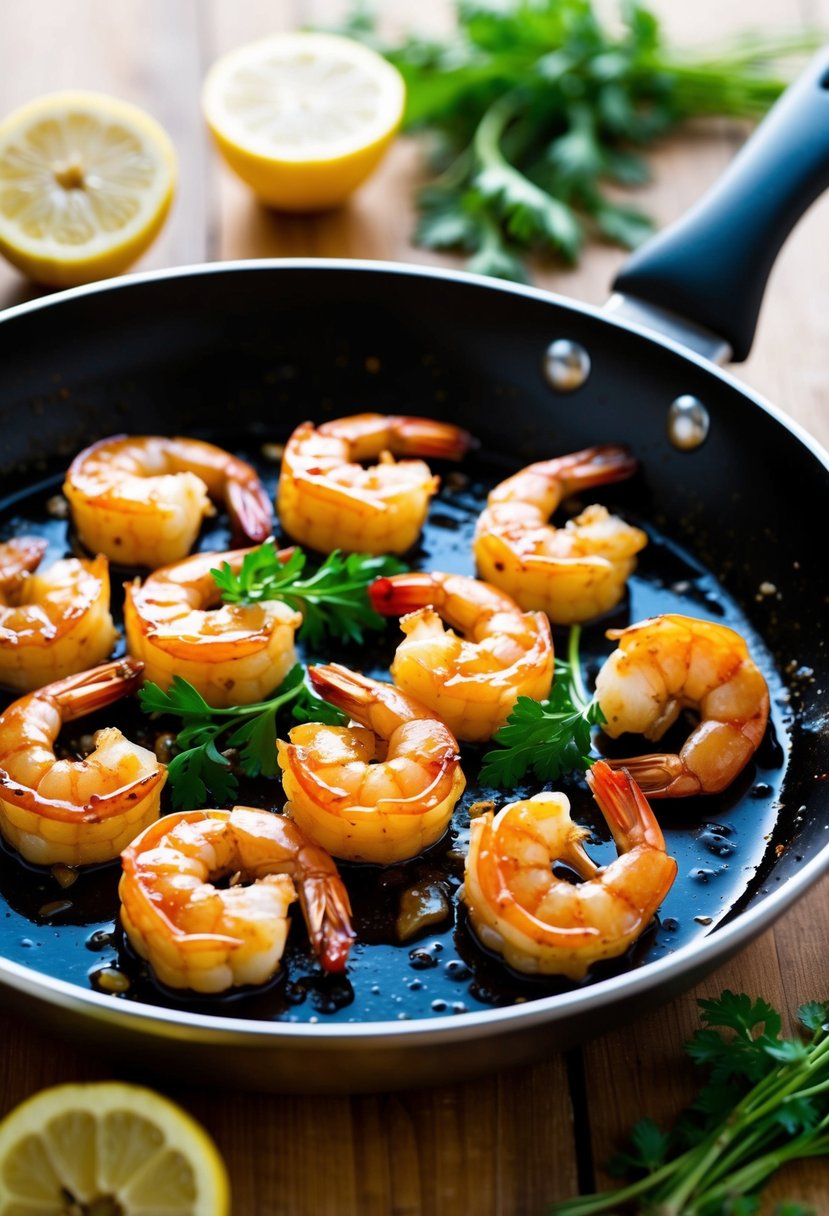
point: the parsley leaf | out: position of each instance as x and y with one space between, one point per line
764 1102
547 738
648 1150
197 772
537 111
333 600
200 770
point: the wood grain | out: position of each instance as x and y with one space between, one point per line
507 1144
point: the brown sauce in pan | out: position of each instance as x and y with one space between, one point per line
722 844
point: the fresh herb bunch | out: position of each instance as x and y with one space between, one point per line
333 600
548 738
200 767
765 1102
539 111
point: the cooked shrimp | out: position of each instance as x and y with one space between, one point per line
75 811
670 663
54 623
572 573
209 939
326 499
471 681
141 499
542 924
359 808
234 654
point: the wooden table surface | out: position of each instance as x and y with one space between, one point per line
505 1143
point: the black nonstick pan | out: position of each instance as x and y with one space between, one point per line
242 352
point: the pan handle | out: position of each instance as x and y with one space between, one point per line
711 266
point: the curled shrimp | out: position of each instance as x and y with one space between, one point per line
471 681
327 500
53 623
572 573
234 654
359 808
199 936
670 663
75 811
542 924
141 499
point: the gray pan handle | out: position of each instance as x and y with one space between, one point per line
711 266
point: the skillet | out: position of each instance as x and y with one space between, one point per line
240 353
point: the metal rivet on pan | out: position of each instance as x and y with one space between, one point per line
566 365
688 423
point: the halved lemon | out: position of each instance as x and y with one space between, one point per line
303 117
108 1147
86 181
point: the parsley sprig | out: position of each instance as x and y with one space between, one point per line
538 114
199 767
548 738
765 1102
333 600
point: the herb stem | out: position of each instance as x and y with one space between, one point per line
487 139
752 1175
256 707
581 695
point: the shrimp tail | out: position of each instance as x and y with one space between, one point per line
20 556
661 775
89 691
624 806
367 701
428 437
327 913
594 466
403 593
339 685
250 511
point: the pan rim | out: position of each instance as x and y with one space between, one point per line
705 952
417 270
719 945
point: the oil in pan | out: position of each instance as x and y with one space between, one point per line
415 956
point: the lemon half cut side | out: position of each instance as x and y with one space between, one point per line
303 118
108 1147
86 182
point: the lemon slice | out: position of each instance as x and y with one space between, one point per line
108 1147
86 181
302 117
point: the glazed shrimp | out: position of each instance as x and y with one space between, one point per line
54 623
572 573
141 499
542 924
327 500
357 808
75 811
670 663
209 939
234 654
471 681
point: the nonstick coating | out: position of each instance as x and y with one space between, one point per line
253 348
